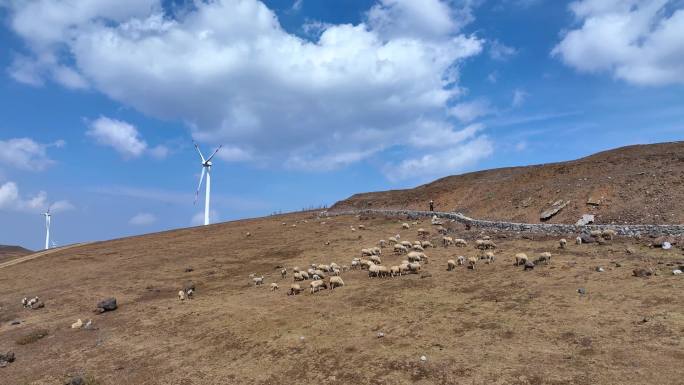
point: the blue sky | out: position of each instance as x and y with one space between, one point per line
312 100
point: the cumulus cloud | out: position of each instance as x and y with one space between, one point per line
639 41
11 199
143 219
468 111
448 161
26 154
230 72
122 137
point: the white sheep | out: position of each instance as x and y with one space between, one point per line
182 296
414 267
422 232
373 271
562 243
317 285
355 264
315 277
406 244
520 259
294 289
392 240
460 242
283 273
274 286
400 249
336 282
543 257
471 262
608 234
362 227
258 280
461 260
451 265
484 244
578 240
426 244
447 241
298 277
418 248
394 271
405 225
415 256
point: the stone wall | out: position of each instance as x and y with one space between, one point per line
538 228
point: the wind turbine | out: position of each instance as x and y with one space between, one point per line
206 168
47 228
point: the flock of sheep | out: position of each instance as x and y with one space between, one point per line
328 276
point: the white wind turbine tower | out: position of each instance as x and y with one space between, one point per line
47 228
206 168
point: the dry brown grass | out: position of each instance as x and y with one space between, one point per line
494 325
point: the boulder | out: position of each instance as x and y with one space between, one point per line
586 238
37 305
77 380
585 220
529 265
553 210
108 304
6 358
641 272
593 201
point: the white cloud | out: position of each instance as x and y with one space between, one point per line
431 135
198 219
123 137
521 146
468 111
297 5
500 51
11 199
493 77
519 97
440 163
143 219
234 75
639 41
27 154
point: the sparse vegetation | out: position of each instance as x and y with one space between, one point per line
32 337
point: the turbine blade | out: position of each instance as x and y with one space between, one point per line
215 151
199 186
199 152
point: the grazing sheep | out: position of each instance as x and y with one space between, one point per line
427 244
182 296
608 234
274 286
366 252
383 271
414 267
334 266
252 275
258 280
294 289
392 240
415 256
355 264
520 259
362 227
345 268
400 249
305 274
315 277
375 259
595 233
471 262
418 248
382 243
562 243
248 234
373 271
317 285
319 273
422 232
283 273
298 277
485 244
460 242
451 265
404 269
461 260
447 241
543 257
376 250
335 282
335 272
406 244
28 303
405 226
578 240
366 264
295 269
394 271
488 257
77 325
324 268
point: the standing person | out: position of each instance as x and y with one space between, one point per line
432 205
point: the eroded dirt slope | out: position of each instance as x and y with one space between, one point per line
635 184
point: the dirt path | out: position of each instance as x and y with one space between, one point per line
39 254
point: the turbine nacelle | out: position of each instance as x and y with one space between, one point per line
206 168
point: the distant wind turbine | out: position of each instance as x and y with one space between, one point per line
206 168
47 228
